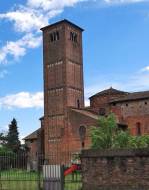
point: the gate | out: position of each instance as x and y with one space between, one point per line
53 177
17 171
66 176
23 172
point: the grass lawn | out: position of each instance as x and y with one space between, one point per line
18 185
24 180
18 180
73 186
73 182
16 174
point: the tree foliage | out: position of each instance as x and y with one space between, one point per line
13 142
3 139
108 136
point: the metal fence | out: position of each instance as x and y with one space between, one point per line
26 172
71 166
73 181
17 171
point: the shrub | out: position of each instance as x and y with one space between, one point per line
107 136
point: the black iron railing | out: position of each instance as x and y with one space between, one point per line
23 171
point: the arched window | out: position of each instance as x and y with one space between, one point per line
54 36
73 37
57 35
51 37
138 128
78 104
83 144
82 133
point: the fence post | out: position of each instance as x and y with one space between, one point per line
38 171
62 178
0 177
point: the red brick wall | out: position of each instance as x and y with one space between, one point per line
133 112
102 101
32 146
63 84
128 112
64 139
75 121
115 170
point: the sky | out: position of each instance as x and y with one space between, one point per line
115 51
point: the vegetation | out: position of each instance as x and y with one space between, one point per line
19 179
3 139
24 180
108 136
13 142
9 142
3 143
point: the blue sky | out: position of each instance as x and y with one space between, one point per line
115 46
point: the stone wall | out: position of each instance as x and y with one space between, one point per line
115 170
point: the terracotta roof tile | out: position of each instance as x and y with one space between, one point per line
33 135
132 96
87 113
110 91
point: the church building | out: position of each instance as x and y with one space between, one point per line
65 126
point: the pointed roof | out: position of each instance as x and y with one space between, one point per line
86 113
61 22
33 135
109 91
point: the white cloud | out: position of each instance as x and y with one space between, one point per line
18 48
36 13
25 19
87 102
22 100
145 69
21 138
29 18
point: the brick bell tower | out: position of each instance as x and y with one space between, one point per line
63 84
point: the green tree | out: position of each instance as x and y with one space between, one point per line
13 142
107 136
3 139
121 139
102 136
